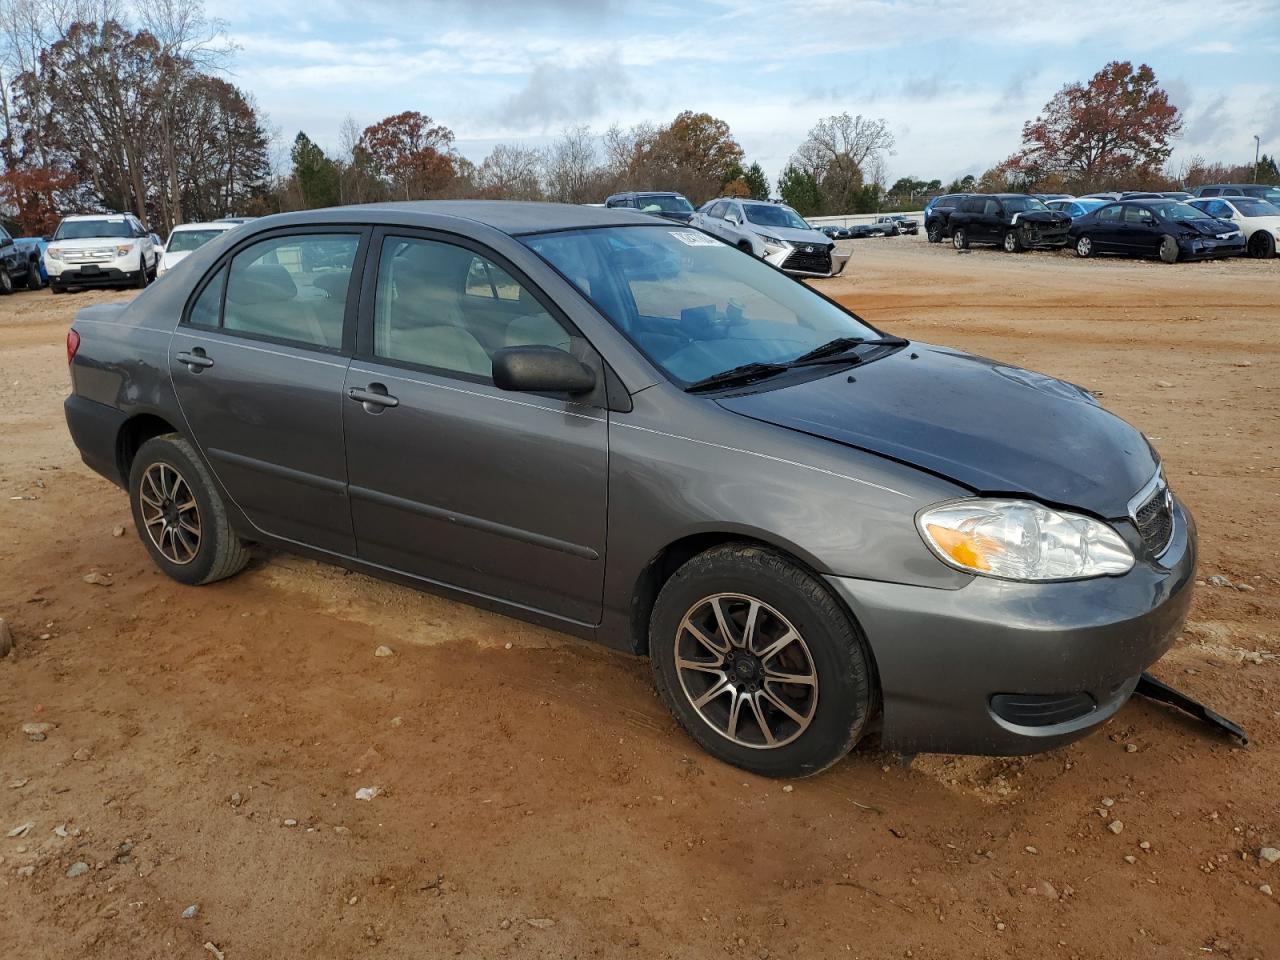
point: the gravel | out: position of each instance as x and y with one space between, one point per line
77 869
1269 854
1115 826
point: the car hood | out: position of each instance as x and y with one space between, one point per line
170 259
1209 228
994 428
92 243
794 235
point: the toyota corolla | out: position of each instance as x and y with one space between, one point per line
631 431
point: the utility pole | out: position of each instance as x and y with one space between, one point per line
1257 145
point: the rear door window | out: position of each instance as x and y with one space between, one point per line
1139 216
292 288
718 210
1110 214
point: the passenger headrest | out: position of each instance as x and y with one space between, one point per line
261 282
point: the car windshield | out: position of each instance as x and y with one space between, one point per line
694 305
663 204
1173 210
1250 207
92 229
1022 204
184 241
773 215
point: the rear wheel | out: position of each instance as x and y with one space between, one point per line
179 515
1262 245
1084 246
1012 242
959 239
1168 249
759 663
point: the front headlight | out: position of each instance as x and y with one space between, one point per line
53 252
124 249
773 240
1022 540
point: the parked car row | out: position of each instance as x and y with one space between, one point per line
101 249
1133 223
889 225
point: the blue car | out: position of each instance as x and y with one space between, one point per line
1075 208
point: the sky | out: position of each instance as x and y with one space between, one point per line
955 80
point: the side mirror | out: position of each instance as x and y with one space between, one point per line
541 370
734 220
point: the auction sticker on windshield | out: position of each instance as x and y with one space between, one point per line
694 239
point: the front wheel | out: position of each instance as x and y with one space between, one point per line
141 282
934 232
1262 245
1012 242
1168 249
1084 246
759 662
179 514
960 239
6 282
34 280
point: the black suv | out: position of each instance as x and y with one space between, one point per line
937 216
1014 221
672 206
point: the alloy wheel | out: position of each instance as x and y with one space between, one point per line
170 513
746 671
1084 247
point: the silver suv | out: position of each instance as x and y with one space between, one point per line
775 233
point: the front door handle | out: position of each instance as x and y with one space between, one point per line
195 359
374 397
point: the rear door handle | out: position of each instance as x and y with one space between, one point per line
195 359
374 397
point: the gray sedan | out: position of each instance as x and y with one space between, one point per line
630 431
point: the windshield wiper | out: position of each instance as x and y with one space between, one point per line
745 373
833 351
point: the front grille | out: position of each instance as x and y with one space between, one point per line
817 261
1041 709
1154 518
89 256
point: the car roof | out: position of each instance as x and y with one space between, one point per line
513 217
210 225
96 216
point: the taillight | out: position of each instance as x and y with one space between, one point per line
73 344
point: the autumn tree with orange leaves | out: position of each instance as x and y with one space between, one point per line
411 152
1114 131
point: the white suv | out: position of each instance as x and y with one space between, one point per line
100 248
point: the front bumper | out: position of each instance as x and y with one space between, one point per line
943 655
1205 247
89 274
786 260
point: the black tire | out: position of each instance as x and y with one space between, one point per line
1084 246
1012 242
745 247
219 553
934 232
56 287
34 280
843 690
1262 246
6 282
1168 249
960 239
141 282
